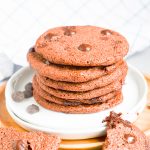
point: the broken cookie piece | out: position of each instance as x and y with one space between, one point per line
123 135
11 139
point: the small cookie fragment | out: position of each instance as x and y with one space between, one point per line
32 109
11 139
18 96
123 135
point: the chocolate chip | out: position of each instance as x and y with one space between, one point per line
28 94
95 100
18 96
29 147
31 109
106 32
32 49
28 90
148 106
49 36
85 47
28 87
23 145
46 78
103 68
112 124
130 138
69 31
47 62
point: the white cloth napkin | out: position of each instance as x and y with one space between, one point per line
22 21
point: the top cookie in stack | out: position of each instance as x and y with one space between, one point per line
80 69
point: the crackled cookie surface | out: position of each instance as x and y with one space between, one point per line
82 46
68 73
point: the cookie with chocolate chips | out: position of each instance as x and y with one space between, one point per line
115 86
80 109
68 73
79 68
73 102
11 139
82 46
102 81
123 135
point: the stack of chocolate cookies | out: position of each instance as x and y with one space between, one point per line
79 69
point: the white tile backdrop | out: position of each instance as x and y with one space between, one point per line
22 21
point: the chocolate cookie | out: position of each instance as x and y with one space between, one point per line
11 139
118 74
82 46
72 102
115 86
68 73
122 135
78 109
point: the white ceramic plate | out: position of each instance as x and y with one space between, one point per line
76 126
